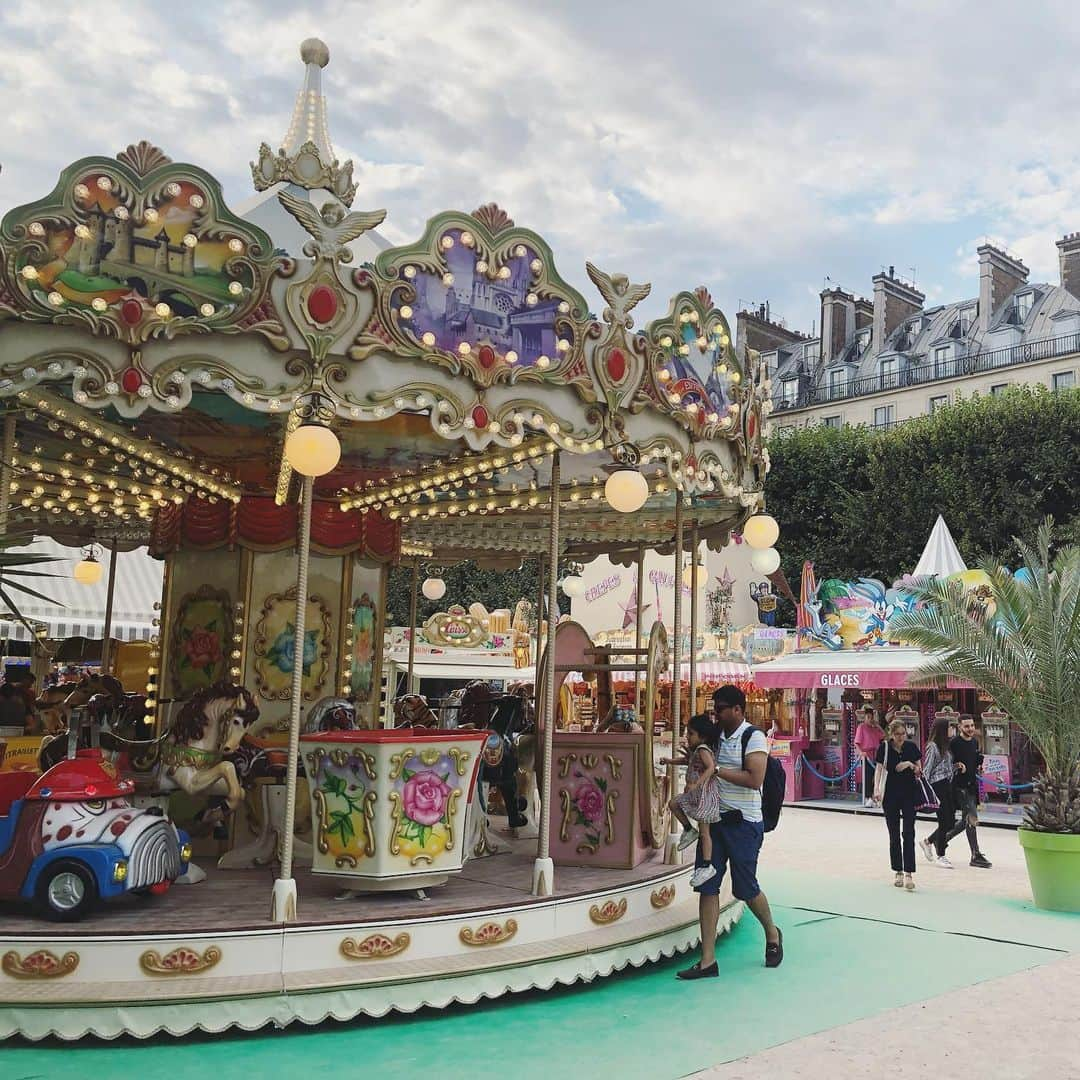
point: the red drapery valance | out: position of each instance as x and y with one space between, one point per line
257 522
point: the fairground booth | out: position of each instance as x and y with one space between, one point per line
848 658
282 406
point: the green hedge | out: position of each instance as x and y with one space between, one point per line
860 502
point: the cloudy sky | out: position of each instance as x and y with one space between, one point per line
757 148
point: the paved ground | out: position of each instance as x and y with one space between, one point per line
873 978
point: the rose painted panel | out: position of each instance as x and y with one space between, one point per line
390 804
596 798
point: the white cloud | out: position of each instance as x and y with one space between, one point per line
752 149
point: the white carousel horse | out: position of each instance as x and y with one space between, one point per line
208 727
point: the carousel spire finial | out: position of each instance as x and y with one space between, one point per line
306 157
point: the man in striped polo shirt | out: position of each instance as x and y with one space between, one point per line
737 836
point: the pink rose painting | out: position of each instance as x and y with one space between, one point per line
425 797
426 803
589 800
202 648
589 803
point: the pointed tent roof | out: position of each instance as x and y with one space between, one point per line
940 556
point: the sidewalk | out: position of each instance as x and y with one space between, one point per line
994 815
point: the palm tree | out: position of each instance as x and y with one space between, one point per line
1023 649
15 568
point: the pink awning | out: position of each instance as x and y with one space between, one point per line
880 669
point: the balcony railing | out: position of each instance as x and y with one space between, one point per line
935 370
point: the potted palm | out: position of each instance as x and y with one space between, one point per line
1022 648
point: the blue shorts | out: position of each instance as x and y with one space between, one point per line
739 844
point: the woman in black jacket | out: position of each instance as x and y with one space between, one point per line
938 768
900 764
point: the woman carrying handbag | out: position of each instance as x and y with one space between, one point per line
938 770
896 788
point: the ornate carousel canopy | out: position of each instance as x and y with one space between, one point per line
158 347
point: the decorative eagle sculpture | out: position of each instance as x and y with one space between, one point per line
331 228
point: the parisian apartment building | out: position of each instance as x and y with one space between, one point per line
886 359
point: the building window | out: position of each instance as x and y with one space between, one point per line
938 402
944 364
785 429
832 421
790 392
837 382
1023 306
861 342
999 388
884 416
890 372
967 317
812 352
1063 380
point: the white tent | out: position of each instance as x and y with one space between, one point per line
79 610
940 557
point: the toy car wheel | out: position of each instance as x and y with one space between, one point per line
66 891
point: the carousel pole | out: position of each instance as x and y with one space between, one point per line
544 867
637 627
110 592
693 615
671 854
6 454
283 904
412 625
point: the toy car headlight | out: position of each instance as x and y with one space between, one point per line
185 852
119 871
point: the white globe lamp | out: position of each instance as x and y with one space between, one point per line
572 586
434 588
761 531
87 572
312 450
693 575
766 561
626 490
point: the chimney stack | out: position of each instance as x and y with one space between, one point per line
756 330
1069 261
894 302
837 323
1000 275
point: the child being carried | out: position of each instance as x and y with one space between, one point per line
700 801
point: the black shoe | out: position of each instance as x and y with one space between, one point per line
981 861
698 972
774 954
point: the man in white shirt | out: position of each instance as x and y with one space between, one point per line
737 836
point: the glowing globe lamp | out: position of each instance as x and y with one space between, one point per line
572 586
626 491
761 531
87 572
434 588
312 450
766 561
693 575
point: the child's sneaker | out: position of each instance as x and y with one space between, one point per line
701 875
688 837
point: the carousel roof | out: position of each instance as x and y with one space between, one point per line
158 346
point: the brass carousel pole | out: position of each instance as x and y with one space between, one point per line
283 905
544 867
6 454
412 625
671 853
106 632
637 628
693 615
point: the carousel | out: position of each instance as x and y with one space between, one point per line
281 406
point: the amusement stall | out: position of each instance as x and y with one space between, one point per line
280 406
849 659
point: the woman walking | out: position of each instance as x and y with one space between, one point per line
938 768
899 764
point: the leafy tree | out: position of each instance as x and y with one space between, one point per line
862 503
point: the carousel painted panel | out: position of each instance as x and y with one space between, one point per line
595 811
390 806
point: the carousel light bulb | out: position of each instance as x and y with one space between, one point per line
626 490
504 273
563 345
448 279
464 348
405 311
761 531
409 272
543 361
428 339
313 450
235 288
434 588
511 357
29 272
766 561
206 310
163 311
151 214
467 238
447 242
87 572
236 244
190 240
55 298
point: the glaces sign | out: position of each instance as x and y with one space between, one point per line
839 678
609 584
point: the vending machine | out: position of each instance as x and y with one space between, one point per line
911 721
833 748
997 758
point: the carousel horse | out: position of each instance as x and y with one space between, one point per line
331 714
208 727
412 710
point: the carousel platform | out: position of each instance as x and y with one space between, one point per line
207 957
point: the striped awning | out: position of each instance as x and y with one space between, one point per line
79 610
708 671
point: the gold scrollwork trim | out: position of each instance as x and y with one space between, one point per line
608 912
589 761
564 828
609 816
374 947
564 765
490 933
369 823
662 897
430 756
615 765
395 821
460 758
322 814
451 810
180 961
397 762
40 964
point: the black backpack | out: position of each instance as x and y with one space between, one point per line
772 787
